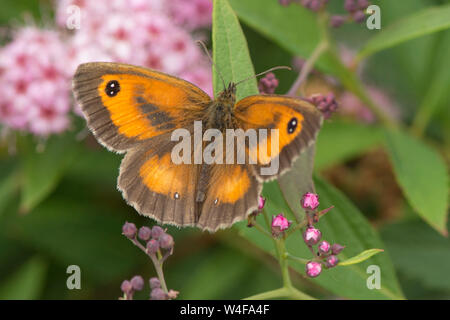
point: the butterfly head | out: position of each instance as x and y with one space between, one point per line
228 96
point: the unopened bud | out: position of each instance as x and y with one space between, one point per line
137 282
129 230
126 286
331 261
310 201
152 246
261 203
144 233
279 225
337 248
312 236
157 231
324 247
313 269
166 241
154 283
158 294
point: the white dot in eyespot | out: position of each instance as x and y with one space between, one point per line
216 201
176 195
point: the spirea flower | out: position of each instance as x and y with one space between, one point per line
35 91
37 66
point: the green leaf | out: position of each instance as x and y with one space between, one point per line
8 186
422 175
208 281
293 28
230 52
419 253
296 29
298 181
26 283
363 256
75 230
354 139
417 25
15 10
352 229
43 170
437 94
345 225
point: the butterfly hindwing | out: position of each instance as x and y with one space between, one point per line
158 188
125 105
231 196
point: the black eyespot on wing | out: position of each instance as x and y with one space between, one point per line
292 125
112 88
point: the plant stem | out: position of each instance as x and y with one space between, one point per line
156 263
294 258
159 272
284 292
307 67
281 251
261 229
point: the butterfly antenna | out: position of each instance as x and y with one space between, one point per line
212 62
264 72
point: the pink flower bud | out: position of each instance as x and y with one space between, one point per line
137 282
324 247
313 269
158 294
279 224
157 231
261 203
166 241
337 21
312 235
331 261
310 201
359 16
336 248
152 246
144 233
129 230
154 283
126 286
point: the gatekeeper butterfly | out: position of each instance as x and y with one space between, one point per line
134 110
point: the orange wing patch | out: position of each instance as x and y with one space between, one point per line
160 175
144 109
229 187
125 105
261 112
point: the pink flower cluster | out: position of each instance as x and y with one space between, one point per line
35 85
37 66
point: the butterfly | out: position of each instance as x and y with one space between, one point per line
135 110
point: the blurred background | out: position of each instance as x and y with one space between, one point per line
59 204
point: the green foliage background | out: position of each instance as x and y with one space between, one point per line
61 207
